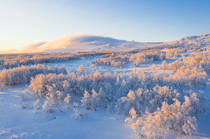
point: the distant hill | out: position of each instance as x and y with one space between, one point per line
191 41
84 43
75 43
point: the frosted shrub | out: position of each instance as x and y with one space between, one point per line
190 75
45 106
23 74
126 103
202 60
169 119
56 87
146 99
42 84
147 56
172 53
164 66
174 66
67 98
86 100
16 60
113 60
104 61
91 101
81 68
167 114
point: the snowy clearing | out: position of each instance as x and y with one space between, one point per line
20 120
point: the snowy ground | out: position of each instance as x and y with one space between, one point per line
90 67
19 120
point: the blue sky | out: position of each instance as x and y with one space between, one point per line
28 21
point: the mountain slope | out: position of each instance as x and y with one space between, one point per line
75 43
83 43
191 41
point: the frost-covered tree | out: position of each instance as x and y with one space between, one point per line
81 69
164 65
168 119
23 74
86 100
67 98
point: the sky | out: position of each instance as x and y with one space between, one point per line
23 22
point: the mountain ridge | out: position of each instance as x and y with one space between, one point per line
88 42
75 43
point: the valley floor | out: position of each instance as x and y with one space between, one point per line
168 88
18 120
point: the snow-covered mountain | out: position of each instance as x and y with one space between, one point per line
75 43
191 41
84 43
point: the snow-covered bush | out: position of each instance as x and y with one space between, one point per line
147 56
175 118
23 74
81 68
116 60
107 91
164 66
16 60
200 59
190 76
91 101
191 71
162 111
172 53
101 86
146 99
